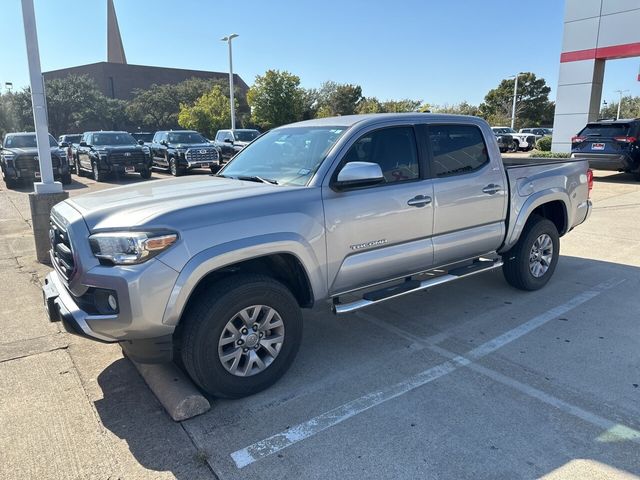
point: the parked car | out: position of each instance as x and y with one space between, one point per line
345 212
182 150
505 142
110 152
146 137
230 142
70 143
521 141
19 159
610 145
539 132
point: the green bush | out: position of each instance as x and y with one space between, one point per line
544 144
539 154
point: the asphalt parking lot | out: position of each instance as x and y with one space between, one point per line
471 380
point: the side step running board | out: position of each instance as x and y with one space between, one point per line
410 286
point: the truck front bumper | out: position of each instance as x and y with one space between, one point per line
62 306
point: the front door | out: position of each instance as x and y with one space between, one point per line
383 231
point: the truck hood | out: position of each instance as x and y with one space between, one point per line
140 204
191 145
29 151
118 148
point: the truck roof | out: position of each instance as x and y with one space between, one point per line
371 118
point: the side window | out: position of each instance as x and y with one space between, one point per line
218 137
456 149
228 136
394 149
156 138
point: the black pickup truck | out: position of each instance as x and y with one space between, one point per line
104 153
19 159
182 150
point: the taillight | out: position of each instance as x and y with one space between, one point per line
578 139
625 139
589 181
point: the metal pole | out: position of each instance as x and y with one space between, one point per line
620 92
38 102
513 108
231 95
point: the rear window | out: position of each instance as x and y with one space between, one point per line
606 130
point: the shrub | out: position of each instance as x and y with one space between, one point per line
544 144
539 154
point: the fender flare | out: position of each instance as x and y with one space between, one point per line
223 255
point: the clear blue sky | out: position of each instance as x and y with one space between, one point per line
437 51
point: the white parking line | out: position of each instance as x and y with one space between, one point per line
302 431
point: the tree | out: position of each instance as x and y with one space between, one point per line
533 107
462 108
155 108
209 113
630 108
370 105
399 106
338 99
276 98
9 121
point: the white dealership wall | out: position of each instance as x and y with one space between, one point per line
594 31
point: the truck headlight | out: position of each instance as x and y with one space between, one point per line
129 248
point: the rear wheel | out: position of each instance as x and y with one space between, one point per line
241 336
10 182
531 262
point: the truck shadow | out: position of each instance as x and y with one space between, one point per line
130 411
618 178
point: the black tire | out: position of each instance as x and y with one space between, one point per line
215 168
145 173
66 179
204 322
78 170
516 266
11 182
515 146
98 175
174 168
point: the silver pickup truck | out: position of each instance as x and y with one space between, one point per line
350 211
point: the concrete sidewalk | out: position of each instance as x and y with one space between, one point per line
69 410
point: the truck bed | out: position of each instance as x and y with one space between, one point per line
513 161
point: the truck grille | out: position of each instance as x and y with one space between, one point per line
198 155
28 163
127 158
62 253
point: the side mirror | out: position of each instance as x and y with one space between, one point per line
64 144
140 142
359 174
83 144
228 140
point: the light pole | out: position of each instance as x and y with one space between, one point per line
231 99
513 108
620 92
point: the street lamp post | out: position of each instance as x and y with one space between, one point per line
620 92
513 108
231 96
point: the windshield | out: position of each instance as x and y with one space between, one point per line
245 135
288 156
120 138
25 141
72 138
186 137
145 137
503 130
606 130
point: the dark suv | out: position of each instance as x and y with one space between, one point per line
230 142
19 159
182 150
610 145
103 153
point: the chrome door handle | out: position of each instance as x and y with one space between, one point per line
492 188
419 201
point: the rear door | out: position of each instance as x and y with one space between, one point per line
470 193
383 231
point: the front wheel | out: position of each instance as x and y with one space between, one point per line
174 168
531 262
241 335
66 179
98 175
515 146
145 173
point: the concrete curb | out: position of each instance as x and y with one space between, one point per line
175 391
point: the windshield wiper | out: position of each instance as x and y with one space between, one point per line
255 178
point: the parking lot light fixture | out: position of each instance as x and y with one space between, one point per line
231 99
620 92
